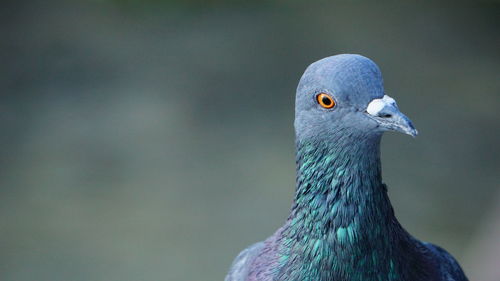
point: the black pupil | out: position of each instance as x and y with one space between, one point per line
326 101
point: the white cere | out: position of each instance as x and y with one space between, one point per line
376 105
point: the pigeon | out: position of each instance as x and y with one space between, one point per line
342 226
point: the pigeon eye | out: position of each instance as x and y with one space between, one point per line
325 100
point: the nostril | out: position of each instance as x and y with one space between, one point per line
386 115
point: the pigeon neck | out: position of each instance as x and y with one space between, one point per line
341 217
343 169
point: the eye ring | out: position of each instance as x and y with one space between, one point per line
325 100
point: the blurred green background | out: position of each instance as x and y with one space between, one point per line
152 140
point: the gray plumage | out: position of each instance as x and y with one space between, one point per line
342 226
242 263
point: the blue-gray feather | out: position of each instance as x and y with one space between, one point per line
241 265
448 267
342 225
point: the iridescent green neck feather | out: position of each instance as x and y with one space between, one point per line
342 222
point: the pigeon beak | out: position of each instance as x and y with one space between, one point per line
386 113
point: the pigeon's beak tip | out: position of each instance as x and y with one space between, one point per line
405 126
414 133
409 129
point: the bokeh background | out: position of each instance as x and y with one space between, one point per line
153 140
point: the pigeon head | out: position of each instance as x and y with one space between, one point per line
344 94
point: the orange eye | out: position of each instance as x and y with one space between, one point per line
325 100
